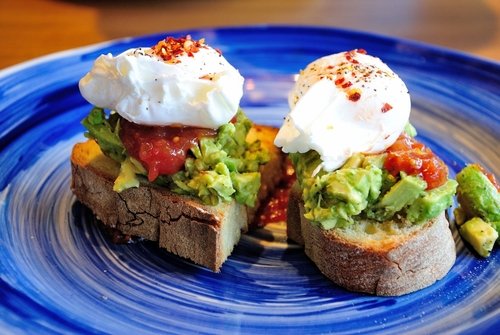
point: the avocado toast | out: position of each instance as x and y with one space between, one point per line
171 157
369 203
183 225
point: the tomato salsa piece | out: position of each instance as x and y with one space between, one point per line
274 209
414 158
162 150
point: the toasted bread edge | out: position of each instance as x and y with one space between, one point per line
417 259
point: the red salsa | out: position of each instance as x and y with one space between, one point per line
274 209
162 150
414 158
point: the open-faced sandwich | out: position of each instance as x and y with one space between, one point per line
369 203
170 155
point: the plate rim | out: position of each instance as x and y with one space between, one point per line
433 48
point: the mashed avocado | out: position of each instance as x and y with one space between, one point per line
333 199
218 169
362 188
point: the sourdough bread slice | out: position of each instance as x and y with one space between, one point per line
388 259
182 225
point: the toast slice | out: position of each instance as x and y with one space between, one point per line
387 259
182 225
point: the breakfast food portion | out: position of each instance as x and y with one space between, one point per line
478 215
170 155
369 201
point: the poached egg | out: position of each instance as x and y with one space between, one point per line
343 104
176 82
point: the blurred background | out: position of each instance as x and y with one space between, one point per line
32 28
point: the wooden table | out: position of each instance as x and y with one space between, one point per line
32 28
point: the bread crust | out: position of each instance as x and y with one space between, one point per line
294 215
393 266
180 224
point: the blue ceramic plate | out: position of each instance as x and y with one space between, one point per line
59 274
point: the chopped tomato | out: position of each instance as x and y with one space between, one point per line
274 208
162 150
414 158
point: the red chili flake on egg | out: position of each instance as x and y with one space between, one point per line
346 85
386 107
171 48
354 94
349 56
359 72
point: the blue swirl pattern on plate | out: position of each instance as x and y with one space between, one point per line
59 274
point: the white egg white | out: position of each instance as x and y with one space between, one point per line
344 104
200 90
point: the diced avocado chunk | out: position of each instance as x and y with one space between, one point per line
129 169
400 195
480 235
246 186
403 192
211 185
410 130
305 164
375 160
477 195
432 202
354 161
